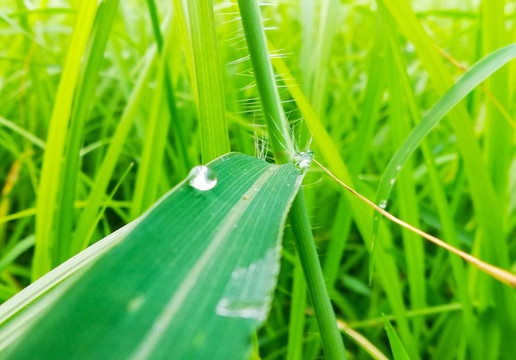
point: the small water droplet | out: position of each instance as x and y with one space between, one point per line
303 160
135 304
202 178
242 309
383 204
398 168
393 180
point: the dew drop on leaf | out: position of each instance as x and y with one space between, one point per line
383 204
303 160
202 178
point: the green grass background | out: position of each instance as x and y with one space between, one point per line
86 91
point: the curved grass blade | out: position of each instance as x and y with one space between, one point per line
191 280
398 350
478 73
55 144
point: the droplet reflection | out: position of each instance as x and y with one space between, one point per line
202 178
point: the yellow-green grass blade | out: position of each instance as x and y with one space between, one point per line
184 32
64 245
408 204
155 141
498 132
191 280
52 161
22 132
208 79
94 202
320 57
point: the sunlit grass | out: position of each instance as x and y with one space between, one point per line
359 75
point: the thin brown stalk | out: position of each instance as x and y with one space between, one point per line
494 271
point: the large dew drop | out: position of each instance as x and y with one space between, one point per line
202 178
303 160
383 204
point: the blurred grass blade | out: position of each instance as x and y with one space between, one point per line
361 341
193 278
470 80
65 245
398 350
155 141
208 78
22 132
52 164
320 56
387 267
87 222
496 272
499 133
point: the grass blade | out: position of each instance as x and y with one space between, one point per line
208 79
398 350
233 249
65 245
49 187
388 271
283 149
478 73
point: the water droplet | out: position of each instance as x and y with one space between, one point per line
393 180
398 168
303 160
383 204
135 304
247 292
202 178
242 308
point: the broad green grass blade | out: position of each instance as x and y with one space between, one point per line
208 79
191 280
478 73
398 350
52 164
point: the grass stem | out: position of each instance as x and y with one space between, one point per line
283 149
